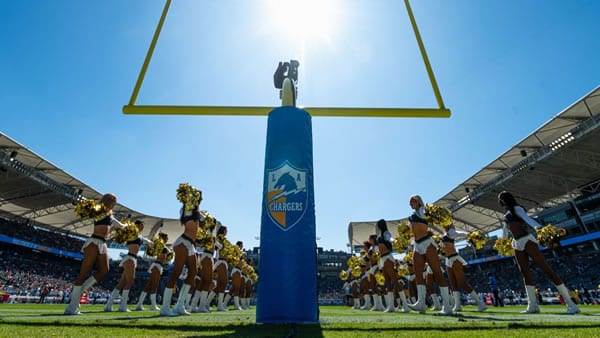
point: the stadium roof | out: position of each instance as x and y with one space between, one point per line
551 166
34 190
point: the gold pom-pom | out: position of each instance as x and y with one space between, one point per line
549 236
375 257
205 239
438 215
504 247
209 221
254 277
356 271
170 256
189 196
127 233
477 239
379 278
231 253
403 271
89 208
363 258
404 230
154 249
344 275
247 269
400 243
352 262
408 258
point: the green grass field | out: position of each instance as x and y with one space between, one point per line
33 320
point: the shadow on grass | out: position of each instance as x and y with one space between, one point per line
276 330
193 329
483 319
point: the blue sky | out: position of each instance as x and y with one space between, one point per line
503 68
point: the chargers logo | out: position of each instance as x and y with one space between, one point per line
286 195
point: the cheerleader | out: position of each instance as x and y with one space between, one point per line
387 266
129 263
429 279
354 290
237 283
155 271
94 251
425 251
365 285
185 254
206 261
454 268
376 291
221 268
525 244
247 284
412 284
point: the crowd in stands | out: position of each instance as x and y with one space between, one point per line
581 273
30 275
31 233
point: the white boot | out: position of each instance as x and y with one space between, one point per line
165 309
480 304
436 302
209 300
140 303
420 305
374 301
378 303
180 305
403 303
247 303
457 301
532 305
124 300
202 307
564 292
367 304
194 301
73 307
153 305
88 283
186 302
389 302
111 299
236 303
446 307
220 304
227 299
356 305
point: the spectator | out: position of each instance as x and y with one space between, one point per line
494 287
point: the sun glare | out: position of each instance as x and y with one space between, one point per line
303 20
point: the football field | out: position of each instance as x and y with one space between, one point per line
33 320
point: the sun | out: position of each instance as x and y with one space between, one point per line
303 20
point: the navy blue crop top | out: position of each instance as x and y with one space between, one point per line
105 221
416 218
447 239
509 217
137 241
